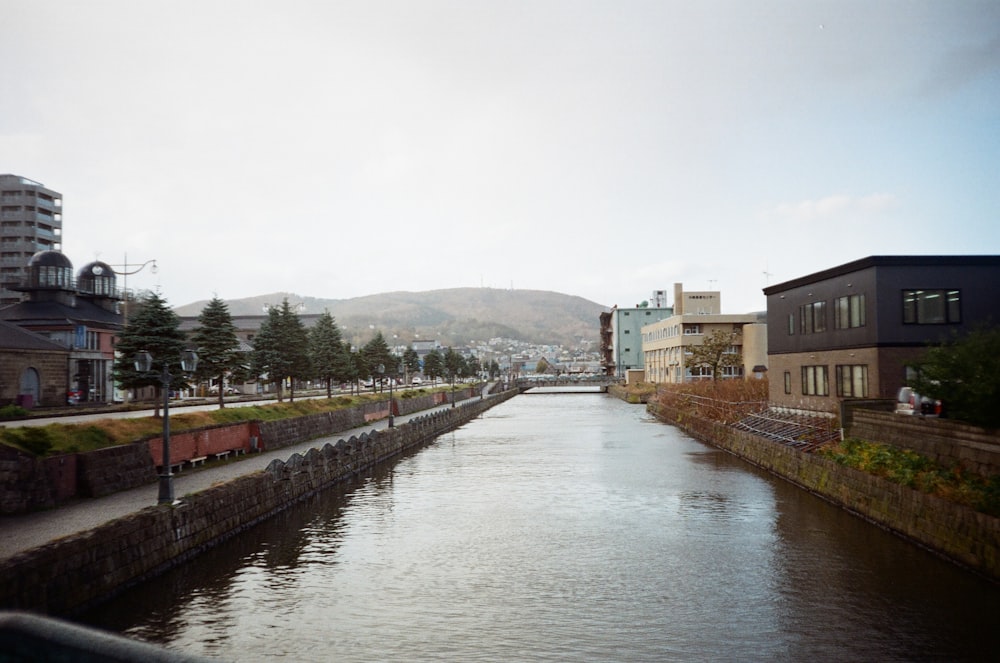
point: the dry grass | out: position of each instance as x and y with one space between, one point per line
723 400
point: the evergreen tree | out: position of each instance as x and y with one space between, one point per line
267 360
217 344
411 361
326 351
295 345
964 374
376 353
356 367
454 364
433 364
154 329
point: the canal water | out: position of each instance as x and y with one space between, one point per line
566 527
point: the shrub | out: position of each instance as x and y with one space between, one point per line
12 412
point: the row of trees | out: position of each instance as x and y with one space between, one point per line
283 352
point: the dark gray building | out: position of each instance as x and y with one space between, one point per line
849 331
30 221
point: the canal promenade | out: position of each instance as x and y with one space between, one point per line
24 532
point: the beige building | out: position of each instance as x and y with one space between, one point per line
666 344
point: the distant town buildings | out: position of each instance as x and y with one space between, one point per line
30 221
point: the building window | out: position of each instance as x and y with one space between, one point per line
814 381
692 329
931 307
852 381
788 382
812 318
849 312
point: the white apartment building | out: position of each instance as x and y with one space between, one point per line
666 344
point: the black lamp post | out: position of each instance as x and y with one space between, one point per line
381 371
143 364
451 376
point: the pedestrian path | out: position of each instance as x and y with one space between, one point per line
21 533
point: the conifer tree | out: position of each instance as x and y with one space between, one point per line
217 344
155 329
376 353
433 364
326 352
267 360
295 345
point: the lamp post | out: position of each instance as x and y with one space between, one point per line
381 371
143 364
126 273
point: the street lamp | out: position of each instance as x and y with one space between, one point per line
381 371
143 364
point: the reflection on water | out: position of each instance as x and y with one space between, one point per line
566 527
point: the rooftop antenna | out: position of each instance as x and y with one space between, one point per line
711 284
767 275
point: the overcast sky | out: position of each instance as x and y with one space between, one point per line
599 149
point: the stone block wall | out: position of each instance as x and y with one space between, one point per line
23 482
112 469
965 536
947 442
68 575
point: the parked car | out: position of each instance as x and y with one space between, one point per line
910 402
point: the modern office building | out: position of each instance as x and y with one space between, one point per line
666 344
30 221
850 331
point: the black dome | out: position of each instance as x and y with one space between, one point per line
50 259
96 278
50 270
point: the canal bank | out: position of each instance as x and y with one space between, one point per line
958 533
66 575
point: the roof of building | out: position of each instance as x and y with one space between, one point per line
885 261
37 314
13 337
50 258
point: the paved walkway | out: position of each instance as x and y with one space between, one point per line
24 532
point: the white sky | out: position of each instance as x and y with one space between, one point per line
600 149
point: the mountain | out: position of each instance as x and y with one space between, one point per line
454 316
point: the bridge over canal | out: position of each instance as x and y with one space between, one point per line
550 384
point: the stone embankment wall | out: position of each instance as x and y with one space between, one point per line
67 575
943 440
28 483
970 538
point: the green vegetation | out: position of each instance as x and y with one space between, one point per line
218 346
12 412
910 469
637 392
964 374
